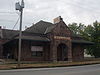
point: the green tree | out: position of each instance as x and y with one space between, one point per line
90 33
95 37
77 28
73 27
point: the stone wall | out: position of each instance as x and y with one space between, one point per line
26 53
77 52
60 35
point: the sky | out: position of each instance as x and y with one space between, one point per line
79 11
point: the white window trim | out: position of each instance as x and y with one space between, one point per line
36 48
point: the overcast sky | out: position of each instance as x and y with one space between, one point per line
79 11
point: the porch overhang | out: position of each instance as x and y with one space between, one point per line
30 38
34 38
82 42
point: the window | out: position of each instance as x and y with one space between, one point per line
37 51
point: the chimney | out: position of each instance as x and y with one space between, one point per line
57 20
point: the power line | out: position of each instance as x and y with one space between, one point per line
85 8
9 12
16 23
7 20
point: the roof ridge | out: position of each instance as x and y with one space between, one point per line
45 21
46 31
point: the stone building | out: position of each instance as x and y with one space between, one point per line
43 41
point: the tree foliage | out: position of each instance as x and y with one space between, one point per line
90 33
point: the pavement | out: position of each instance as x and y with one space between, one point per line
76 70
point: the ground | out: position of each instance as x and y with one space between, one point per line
76 70
13 65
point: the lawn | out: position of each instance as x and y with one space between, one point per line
24 65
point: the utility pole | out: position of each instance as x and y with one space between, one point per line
20 8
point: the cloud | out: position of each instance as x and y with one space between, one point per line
78 11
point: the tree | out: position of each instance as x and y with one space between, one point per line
73 27
90 33
76 29
95 37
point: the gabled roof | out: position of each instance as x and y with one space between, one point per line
49 29
37 33
39 27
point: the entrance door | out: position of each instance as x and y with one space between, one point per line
62 52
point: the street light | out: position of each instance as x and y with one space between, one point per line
20 8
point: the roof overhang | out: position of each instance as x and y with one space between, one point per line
34 38
82 42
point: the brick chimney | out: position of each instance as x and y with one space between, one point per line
57 20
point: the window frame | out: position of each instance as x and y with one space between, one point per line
37 52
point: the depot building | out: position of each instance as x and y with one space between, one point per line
43 41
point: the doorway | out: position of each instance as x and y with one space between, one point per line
62 52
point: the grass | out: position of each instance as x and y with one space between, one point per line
47 65
13 64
